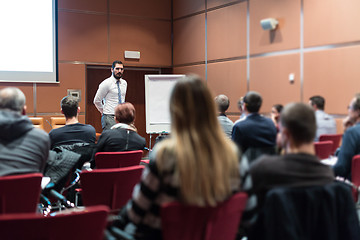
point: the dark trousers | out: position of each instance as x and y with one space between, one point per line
107 121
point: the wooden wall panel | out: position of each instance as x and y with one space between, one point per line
333 74
185 7
49 95
152 38
227 32
270 77
82 37
286 36
331 21
27 89
189 40
217 3
159 9
195 69
228 78
85 5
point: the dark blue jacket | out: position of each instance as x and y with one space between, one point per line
349 148
255 131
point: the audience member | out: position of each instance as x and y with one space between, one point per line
197 165
275 114
222 102
299 166
123 135
23 148
325 123
351 140
256 133
303 179
240 104
73 131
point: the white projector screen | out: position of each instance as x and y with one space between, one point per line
28 42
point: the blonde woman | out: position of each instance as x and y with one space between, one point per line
197 165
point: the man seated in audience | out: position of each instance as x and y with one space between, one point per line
123 135
351 140
23 148
299 166
240 104
73 131
222 102
325 123
255 133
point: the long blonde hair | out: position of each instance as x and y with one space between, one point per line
206 161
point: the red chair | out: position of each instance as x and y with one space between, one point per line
323 149
117 159
20 193
355 174
86 224
335 138
181 222
110 187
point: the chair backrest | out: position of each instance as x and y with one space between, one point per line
183 222
315 212
87 224
355 174
57 122
38 122
117 159
111 187
335 138
323 149
20 193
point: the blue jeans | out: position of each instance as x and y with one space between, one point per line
107 121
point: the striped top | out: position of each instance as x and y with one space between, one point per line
141 216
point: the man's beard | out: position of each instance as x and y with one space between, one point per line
118 76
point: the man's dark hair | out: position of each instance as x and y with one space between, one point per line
300 121
318 101
253 101
116 62
222 102
69 106
12 98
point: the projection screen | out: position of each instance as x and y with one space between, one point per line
28 41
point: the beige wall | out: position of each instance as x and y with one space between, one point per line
317 40
220 40
98 32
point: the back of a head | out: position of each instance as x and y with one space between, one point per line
319 101
300 121
253 101
125 113
13 99
69 105
205 158
222 102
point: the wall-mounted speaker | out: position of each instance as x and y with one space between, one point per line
269 23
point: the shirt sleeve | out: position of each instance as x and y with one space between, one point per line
99 96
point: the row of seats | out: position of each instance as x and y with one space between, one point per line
112 186
55 122
327 145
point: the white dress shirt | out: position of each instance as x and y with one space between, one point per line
106 97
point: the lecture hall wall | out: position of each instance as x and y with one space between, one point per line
96 32
221 40
316 40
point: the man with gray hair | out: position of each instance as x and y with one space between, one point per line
222 102
23 148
